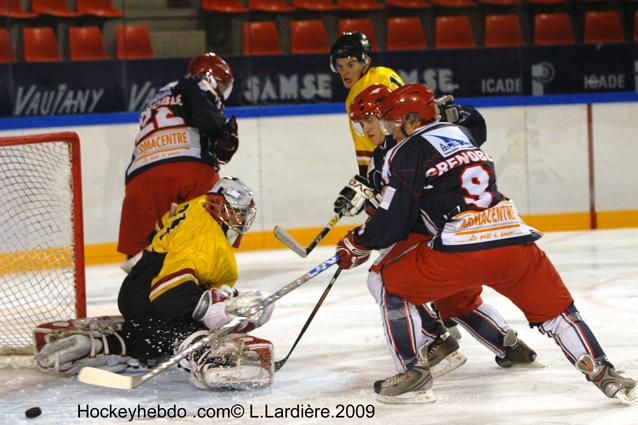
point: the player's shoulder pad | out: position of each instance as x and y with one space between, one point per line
388 75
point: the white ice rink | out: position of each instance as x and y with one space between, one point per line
344 351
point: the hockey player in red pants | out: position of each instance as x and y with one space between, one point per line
480 320
438 176
184 136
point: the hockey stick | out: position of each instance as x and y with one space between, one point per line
280 363
105 378
253 309
285 237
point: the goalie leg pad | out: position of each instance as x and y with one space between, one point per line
66 346
238 361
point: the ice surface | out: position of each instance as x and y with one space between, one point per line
344 352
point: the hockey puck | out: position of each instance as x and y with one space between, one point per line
33 412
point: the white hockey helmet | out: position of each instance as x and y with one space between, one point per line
232 205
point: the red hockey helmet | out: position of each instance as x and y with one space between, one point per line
368 102
213 65
409 99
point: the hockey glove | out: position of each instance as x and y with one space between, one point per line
352 198
351 254
447 109
225 147
211 308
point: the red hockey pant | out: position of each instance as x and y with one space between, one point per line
149 196
522 273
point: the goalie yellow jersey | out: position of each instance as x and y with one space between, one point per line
196 249
377 75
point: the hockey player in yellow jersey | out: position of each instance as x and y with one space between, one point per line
180 290
350 58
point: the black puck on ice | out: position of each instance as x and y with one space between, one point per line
33 412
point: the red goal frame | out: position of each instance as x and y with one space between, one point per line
78 223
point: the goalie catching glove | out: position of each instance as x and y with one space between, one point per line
351 254
217 307
354 196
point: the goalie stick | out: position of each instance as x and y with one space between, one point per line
105 378
285 237
280 363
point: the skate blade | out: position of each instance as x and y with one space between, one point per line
626 396
412 397
448 364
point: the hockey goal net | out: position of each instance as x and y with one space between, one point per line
41 238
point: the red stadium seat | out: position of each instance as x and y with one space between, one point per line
552 29
499 2
223 6
363 25
409 4
99 8
316 5
405 34
503 31
548 1
275 6
134 42
603 27
58 8
261 38
453 32
454 3
13 9
308 37
6 52
362 5
86 44
40 45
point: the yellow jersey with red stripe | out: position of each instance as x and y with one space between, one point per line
376 75
196 249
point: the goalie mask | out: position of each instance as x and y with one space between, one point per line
231 204
214 66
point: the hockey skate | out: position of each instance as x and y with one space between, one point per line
605 377
442 354
517 354
409 387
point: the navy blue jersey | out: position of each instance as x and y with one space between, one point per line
439 178
182 123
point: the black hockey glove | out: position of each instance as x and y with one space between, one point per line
225 147
447 109
352 198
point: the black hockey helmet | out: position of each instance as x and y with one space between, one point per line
349 45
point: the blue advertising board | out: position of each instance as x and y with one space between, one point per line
66 88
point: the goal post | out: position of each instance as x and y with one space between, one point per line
41 236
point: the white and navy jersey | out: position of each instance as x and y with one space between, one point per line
376 163
440 178
181 124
